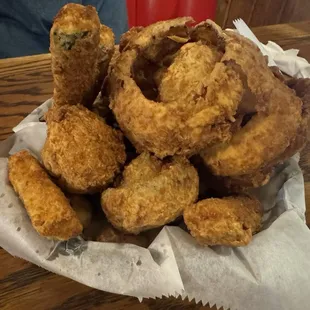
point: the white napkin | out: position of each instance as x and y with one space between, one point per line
35 116
288 61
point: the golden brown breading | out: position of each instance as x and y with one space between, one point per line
238 183
82 208
275 124
74 46
48 208
188 75
81 150
153 193
200 98
178 126
229 221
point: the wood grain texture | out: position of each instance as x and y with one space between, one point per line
24 84
26 286
262 12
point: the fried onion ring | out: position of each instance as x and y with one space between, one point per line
274 126
197 97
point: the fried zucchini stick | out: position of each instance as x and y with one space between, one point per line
48 208
74 46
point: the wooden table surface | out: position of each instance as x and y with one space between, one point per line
25 83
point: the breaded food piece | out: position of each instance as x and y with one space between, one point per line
278 114
81 150
240 183
197 96
188 75
229 221
152 193
74 46
176 127
193 105
48 208
82 208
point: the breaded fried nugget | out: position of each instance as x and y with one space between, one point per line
152 193
228 221
74 46
81 150
187 78
48 208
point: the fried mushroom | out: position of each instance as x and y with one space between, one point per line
229 221
81 151
152 193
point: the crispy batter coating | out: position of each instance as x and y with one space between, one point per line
271 129
229 221
198 94
81 150
260 177
82 208
74 46
187 77
152 193
203 99
47 206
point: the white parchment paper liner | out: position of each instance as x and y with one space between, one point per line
273 272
